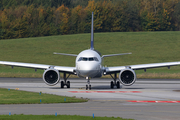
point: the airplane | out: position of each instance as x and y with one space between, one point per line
88 65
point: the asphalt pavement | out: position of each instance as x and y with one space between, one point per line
147 99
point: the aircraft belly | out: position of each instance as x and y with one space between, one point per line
89 73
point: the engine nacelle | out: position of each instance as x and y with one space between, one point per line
127 77
51 76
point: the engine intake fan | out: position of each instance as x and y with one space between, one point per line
127 77
51 76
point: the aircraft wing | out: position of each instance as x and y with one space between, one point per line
39 66
109 70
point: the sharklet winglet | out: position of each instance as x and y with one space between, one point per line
92 33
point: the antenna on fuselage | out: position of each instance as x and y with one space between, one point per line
92 33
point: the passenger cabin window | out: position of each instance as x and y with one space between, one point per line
88 59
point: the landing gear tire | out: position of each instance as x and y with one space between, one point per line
62 84
89 87
68 84
112 85
118 84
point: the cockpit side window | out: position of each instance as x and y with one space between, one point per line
80 59
95 58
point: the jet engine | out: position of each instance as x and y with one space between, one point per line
51 76
127 77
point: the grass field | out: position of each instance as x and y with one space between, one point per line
23 97
146 47
58 117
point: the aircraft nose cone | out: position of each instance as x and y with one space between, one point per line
89 70
88 66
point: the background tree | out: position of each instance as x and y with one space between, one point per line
31 18
176 16
5 23
77 20
62 17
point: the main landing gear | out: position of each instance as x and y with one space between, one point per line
115 82
65 82
88 86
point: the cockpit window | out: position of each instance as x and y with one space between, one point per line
84 59
91 59
88 59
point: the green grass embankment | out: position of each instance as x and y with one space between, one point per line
22 97
58 117
9 96
146 47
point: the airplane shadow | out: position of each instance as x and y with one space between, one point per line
108 88
96 88
133 88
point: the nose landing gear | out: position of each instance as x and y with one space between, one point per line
88 86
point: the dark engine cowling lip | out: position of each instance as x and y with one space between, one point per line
134 77
57 77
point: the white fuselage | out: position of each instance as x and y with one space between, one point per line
88 64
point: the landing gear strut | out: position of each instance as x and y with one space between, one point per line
115 82
88 86
65 82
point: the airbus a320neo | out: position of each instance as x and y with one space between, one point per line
89 65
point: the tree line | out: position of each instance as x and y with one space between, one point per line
46 3
30 18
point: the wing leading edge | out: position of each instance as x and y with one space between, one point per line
115 55
141 66
65 54
39 66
